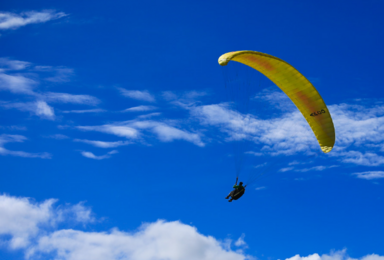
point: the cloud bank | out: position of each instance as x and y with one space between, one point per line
32 227
336 255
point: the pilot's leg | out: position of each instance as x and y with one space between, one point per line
230 194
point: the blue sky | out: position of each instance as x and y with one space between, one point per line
117 134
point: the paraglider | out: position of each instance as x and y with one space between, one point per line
299 90
237 192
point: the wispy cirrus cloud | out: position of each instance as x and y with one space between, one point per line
70 98
13 127
38 108
285 135
359 129
140 109
13 21
60 74
103 144
9 64
184 96
146 116
57 136
316 168
17 84
98 157
166 132
85 111
260 188
309 169
20 77
115 129
143 95
370 175
4 138
366 158
186 99
278 100
25 81
133 130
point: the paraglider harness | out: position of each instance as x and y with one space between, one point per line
239 191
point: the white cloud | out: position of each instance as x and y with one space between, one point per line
259 165
70 98
4 151
370 175
26 83
13 127
4 138
62 75
140 109
14 21
358 125
194 94
285 135
260 188
38 108
294 163
58 136
373 257
132 130
254 153
167 133
277 99
23 220
100 157
154 241
96 110
44 110
149 115
137 94
77 213
316 168
32 227
336 255
359 130
8 64
119 130
360 158
169 95
11 138
286 169
17 84
240 241
103 144
185 97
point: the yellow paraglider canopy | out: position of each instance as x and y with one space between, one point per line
302 93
